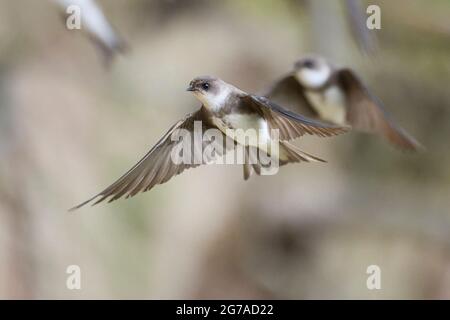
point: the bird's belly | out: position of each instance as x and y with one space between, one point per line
254 129
330 105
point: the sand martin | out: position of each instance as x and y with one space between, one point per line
224 107
316 89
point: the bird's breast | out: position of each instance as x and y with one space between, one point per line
329 104
250 124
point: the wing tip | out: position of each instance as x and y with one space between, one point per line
404 141
330 130
84 203
342 129
411 146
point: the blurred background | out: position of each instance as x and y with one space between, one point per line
69 127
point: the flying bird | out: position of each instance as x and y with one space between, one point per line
97 27
223 107
316 89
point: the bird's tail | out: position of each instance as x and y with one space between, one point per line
290 153
252 163
287 153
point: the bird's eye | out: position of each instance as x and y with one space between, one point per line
205 86
308 64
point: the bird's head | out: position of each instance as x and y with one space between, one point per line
211 91
312 72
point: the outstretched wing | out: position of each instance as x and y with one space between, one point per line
365 112
157 166
288 93
290 125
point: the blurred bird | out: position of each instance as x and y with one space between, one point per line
223 107
316 89
97 27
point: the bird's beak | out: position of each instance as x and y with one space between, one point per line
190 88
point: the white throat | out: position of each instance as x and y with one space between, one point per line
329 104
313 78
214 102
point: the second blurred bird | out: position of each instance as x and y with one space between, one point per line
317 89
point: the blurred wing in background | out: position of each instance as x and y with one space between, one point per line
157 167
289 124
288 93
365 112
99 30
331 21
356 18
